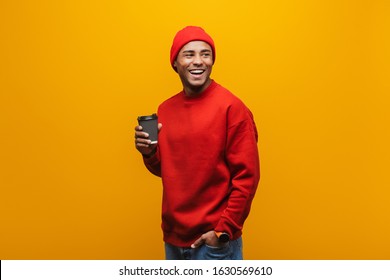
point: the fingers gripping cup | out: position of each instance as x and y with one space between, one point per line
149 125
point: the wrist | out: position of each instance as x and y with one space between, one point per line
149 155
223 237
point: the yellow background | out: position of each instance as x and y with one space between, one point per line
74 75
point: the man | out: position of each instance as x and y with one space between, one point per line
206 155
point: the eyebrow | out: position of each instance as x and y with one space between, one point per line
192 51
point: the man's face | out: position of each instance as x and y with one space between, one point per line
194 64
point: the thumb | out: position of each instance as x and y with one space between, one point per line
198 242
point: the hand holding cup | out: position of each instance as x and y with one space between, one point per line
146 134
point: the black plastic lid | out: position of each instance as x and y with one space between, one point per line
147 118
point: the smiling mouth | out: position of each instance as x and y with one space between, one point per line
197 71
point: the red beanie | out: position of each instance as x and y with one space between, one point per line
186 35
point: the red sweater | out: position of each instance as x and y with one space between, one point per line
208 160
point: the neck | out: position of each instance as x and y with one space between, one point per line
191 91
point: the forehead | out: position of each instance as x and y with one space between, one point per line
196 46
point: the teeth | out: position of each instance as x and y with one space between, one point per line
196 71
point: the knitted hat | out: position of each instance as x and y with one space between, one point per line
186 35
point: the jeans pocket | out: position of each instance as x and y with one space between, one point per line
218 253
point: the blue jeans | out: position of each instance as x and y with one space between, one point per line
231 251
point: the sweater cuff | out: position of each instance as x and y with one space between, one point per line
224 225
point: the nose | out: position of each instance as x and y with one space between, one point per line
197 60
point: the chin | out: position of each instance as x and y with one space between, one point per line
199 82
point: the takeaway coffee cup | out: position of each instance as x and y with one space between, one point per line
149 125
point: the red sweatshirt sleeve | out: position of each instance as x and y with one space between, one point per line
243 160
153 163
